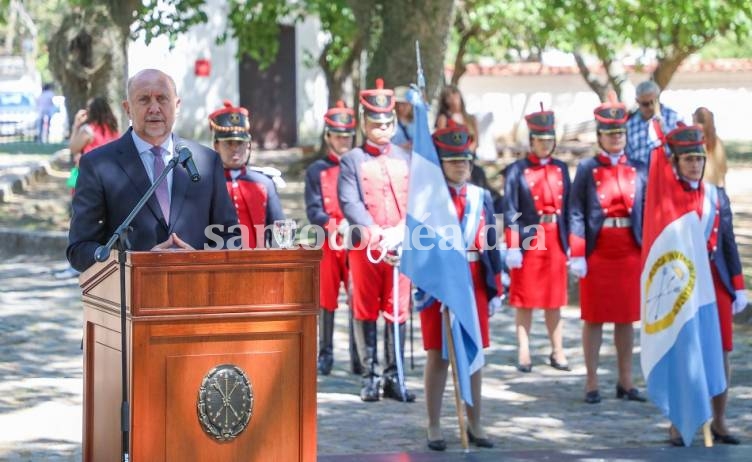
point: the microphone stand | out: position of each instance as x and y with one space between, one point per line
120 237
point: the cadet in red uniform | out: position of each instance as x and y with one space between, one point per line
535 210
475 211
322 208
372 191
686 167
253 193
605 222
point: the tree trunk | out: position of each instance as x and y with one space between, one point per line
459 58
87 56
600 89
667 67
404 22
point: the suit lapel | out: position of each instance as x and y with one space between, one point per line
130 162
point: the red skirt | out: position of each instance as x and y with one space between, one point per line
430 318
542 280
725 314
611 290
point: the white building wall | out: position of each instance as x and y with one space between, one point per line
200 96
506 99
311 83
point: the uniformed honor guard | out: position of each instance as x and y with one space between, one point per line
372 192
322 208
605 221
254 194
535 210
474 208
686 165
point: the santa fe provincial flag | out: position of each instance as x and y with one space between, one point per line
682 358
433 257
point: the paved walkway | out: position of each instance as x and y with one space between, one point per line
41 380
40 386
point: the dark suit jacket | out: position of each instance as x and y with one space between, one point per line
112 179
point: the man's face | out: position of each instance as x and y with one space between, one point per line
690 167
152 106
456 171
339 143
379 132
612 143
542 147
234 153
648 105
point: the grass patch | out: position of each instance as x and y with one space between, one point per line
28 147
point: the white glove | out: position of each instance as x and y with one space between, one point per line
740 303
513 259
342 228
578 266
392 237
494 305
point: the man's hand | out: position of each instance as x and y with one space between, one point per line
173 243
740 302
513 259
578 266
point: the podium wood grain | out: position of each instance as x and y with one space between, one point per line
187 313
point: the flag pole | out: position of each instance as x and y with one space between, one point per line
706 434
453 362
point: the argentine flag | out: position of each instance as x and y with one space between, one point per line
682 357
433 257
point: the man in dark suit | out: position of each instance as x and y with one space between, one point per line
114 177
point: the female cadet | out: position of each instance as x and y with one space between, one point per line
536 192
474 209
605 221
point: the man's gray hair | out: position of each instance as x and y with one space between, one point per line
646 88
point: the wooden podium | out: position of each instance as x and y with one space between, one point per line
189 312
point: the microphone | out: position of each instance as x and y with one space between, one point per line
185 157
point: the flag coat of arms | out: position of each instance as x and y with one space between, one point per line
682 357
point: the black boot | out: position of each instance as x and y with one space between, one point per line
391 379
355 366
326 332
365 339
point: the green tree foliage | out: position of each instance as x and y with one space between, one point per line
675 29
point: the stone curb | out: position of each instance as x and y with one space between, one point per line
28 242
16 183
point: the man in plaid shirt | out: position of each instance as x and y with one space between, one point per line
640 140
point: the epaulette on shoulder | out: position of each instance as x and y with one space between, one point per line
273 173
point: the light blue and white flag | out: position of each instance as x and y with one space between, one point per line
433 255
682 356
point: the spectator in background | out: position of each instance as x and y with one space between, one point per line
715 162
92 127
452 113
403 131
640 139
45 109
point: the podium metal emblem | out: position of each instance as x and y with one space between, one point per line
225 402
